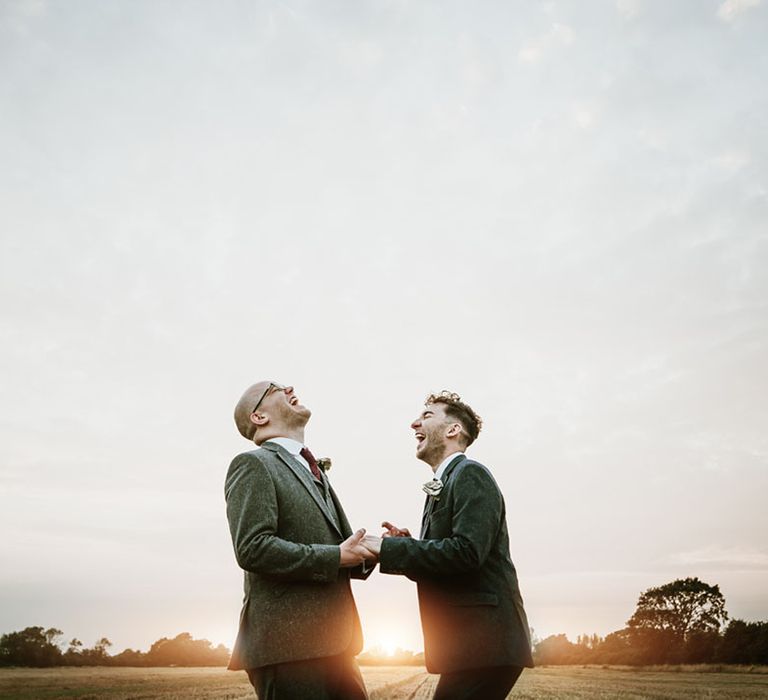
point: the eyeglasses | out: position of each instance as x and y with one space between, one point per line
276 387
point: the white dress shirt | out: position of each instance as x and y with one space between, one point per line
294 447
445 463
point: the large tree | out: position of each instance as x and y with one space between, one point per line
745 643
33 646
184 650
682 607
556 649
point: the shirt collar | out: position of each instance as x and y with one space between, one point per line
445 463
293 446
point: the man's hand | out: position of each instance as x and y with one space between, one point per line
393 531
352 550
372 544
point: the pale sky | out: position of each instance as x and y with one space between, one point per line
556 209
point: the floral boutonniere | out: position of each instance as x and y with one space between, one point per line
433 488
324 463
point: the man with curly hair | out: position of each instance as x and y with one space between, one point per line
476 632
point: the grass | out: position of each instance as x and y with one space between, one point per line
390 683
662 683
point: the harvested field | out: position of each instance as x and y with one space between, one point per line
387 683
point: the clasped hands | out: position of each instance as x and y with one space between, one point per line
359 547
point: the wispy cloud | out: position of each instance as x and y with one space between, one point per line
722 557
536 49
629 9
732 160
19 15
584 115
731 9
28 8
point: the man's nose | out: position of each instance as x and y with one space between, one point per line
288 390
415 424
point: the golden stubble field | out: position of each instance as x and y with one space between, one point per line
386 682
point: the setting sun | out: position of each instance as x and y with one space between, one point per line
388 646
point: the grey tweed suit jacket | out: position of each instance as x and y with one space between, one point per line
298 603
469 599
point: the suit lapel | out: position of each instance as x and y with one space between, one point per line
307 480
429 505
346 529
425 516
451 466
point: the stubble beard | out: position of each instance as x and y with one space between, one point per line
295 419
433 449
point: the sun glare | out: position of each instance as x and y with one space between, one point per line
389 646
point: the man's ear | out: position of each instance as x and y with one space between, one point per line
454 430
259 419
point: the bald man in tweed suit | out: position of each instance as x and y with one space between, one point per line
299 628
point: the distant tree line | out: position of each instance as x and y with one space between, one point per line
682 622
36 646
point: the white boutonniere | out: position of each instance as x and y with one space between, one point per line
433 488
324 463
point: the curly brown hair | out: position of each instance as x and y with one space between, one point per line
459 411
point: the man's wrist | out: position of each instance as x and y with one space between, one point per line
388 555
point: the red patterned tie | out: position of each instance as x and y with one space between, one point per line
312 463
